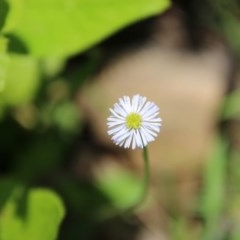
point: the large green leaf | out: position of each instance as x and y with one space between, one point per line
65 27
22 80
36 215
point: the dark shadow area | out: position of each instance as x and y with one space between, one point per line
4 8
15 45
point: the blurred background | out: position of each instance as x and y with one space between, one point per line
63 63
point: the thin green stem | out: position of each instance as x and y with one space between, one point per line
146 174
145 182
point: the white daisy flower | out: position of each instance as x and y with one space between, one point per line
134 122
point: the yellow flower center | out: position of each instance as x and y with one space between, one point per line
133 121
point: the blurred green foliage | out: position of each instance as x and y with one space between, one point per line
121 187
231 106
214 194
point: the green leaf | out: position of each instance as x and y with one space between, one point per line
22 80
120 186
231 108
66 117
6 189
214 188
36 214
66 27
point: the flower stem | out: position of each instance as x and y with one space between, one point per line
146 177
146 174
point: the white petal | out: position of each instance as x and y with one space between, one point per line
155 128
125 104
150 131
115 123
151 114
139 139
147 134
142 101
135 102
116 129
116 114
129 140
122 135
143 137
